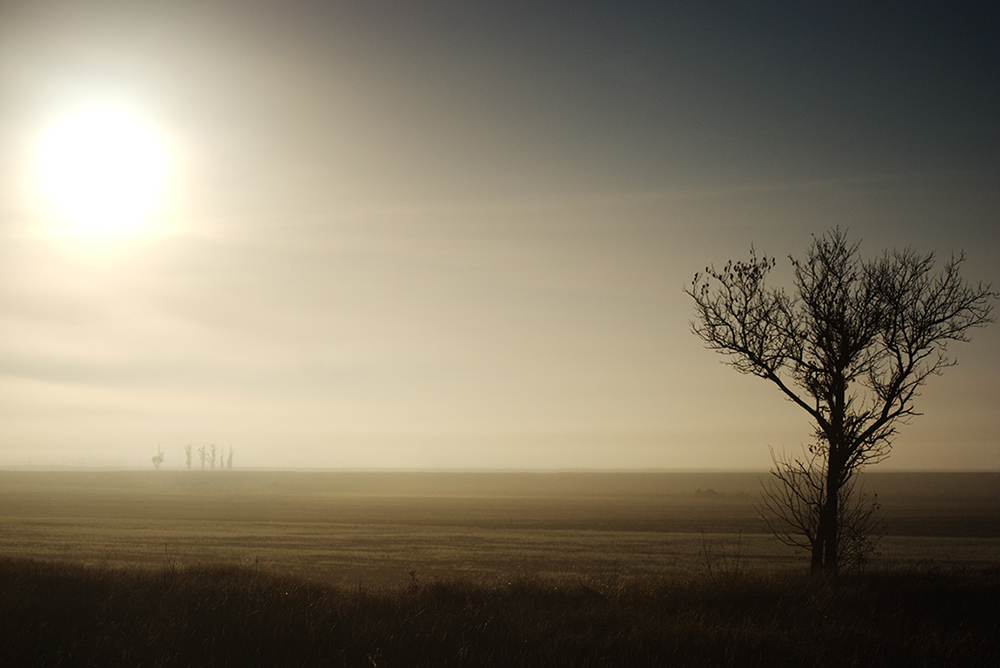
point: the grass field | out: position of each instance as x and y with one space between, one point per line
375 528
67 615
178 568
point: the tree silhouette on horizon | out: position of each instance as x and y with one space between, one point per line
851 346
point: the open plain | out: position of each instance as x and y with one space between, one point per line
376 528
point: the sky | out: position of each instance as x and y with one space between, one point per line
457 234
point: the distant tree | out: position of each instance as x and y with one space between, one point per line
187 455
202 455
229 459
851 347
213 456
158 458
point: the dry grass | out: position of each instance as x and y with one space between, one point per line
62 614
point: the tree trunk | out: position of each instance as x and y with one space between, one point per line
825 555
825 548
816 564
832 516
835 463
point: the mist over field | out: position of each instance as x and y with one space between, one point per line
480 568
376 527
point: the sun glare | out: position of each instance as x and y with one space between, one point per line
101 169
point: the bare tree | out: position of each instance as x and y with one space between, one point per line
158 458
187 455
213 456
202 455
229 459
851 346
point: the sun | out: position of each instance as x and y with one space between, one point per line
101 171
